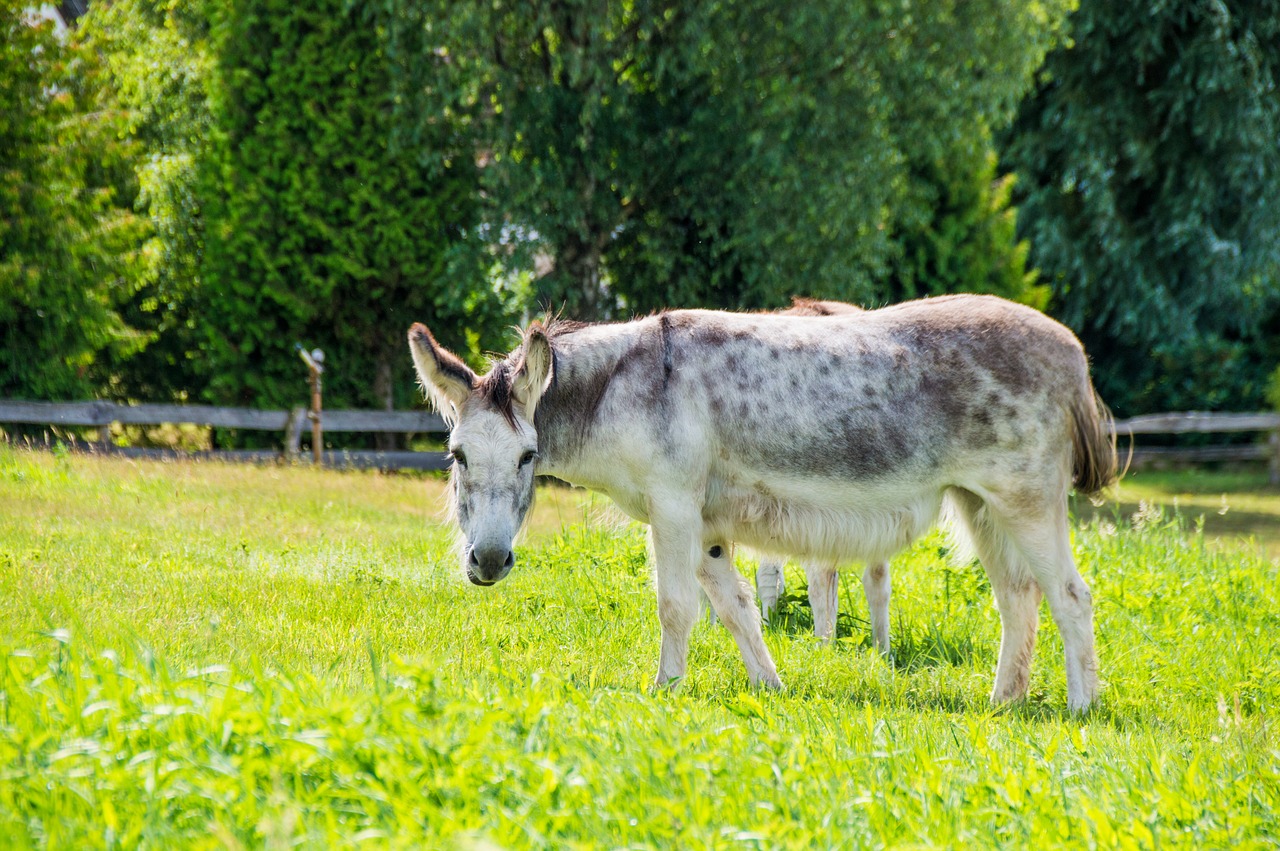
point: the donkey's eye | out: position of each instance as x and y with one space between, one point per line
527 458
458 458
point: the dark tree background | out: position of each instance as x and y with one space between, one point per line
188 189
1148 172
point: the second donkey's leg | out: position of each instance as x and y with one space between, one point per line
875 582
824 597
770 584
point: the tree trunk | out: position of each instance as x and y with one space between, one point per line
384 390
578 287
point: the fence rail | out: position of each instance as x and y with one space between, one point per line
89 414
1198 422
294 423
1205 422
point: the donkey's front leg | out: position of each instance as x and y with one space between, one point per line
731 596
677 547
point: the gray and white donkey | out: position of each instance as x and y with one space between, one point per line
826 437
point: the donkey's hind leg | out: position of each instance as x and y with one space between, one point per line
1031 531
824 597
770 584
1045 543
1017 596
875 583
731 596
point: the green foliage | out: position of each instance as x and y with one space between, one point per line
775 122
188 188
954 72
319 226
200 654
963 236
1148 188
1273 389
66 251
732 155
157 67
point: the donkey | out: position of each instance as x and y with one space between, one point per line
822 576
827 437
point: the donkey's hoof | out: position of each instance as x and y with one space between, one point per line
769 682
665 685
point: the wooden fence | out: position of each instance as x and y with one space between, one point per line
292 424
1199 422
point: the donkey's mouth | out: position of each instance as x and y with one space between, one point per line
488 569
475 580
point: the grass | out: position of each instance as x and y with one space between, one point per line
1234 507
199 655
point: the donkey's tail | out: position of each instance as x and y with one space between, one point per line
1093 442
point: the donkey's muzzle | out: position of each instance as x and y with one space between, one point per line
486 565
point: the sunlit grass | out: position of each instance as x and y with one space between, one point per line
1234 506
199 655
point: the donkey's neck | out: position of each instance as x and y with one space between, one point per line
587 361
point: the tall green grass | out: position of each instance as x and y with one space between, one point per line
213 656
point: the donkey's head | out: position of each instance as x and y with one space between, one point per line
491 440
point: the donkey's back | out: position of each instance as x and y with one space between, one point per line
946 391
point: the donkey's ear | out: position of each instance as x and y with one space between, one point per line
534 375
447 380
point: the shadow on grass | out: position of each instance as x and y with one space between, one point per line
1235 504
1231 525
914 647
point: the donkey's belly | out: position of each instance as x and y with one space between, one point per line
822 521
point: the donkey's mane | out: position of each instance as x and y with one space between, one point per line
495 390
496 387
556 326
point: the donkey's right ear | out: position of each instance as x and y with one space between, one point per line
447 380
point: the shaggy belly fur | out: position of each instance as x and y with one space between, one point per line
820 519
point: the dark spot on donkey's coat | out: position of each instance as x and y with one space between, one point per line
859 448
711 335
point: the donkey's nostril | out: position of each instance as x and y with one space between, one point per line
490 563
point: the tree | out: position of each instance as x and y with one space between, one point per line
776 169
321 224
731 154
955 73
65 248
1148 173
960 233
157 69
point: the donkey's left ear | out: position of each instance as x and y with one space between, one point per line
534 376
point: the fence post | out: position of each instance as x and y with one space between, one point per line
293 433
1274 465
314 360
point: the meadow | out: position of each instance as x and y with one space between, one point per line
213 656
